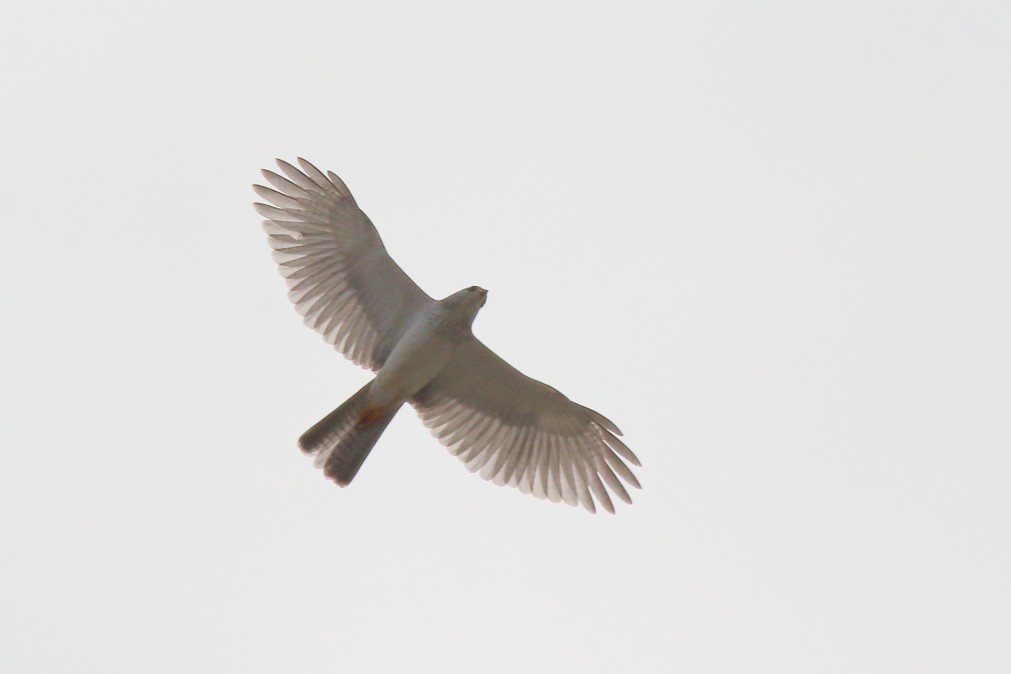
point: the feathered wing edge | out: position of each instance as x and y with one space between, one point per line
340 277
577 463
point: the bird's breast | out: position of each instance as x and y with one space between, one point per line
416 359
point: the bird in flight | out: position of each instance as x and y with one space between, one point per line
510 428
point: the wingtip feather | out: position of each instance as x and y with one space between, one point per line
601 420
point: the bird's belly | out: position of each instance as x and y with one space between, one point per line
417 358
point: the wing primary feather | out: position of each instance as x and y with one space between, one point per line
276 198
600 419
359 339
305 295
313 277
574 470
449 418
582 494
297 176
346 330
479 438
284 185
457 441
458 422
569 486
612 482
340 186
477 461
504 443
329 330
597 487
324 318
464 431
293 243
542 465
294 217
529 467
556 465
553 481
566 481
339 315
519 450
302 252
275 231
620 468
585 499
490 463
299 257
470 449
315 175
620 447
480 424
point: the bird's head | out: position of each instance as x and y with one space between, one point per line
478 292
466 303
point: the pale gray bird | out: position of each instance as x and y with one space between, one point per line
513 429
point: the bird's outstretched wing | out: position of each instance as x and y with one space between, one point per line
339 275
520 432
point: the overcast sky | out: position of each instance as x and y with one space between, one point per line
770 240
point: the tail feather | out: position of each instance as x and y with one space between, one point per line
343 439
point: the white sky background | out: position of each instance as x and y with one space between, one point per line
770 240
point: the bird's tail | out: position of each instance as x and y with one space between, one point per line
341 440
